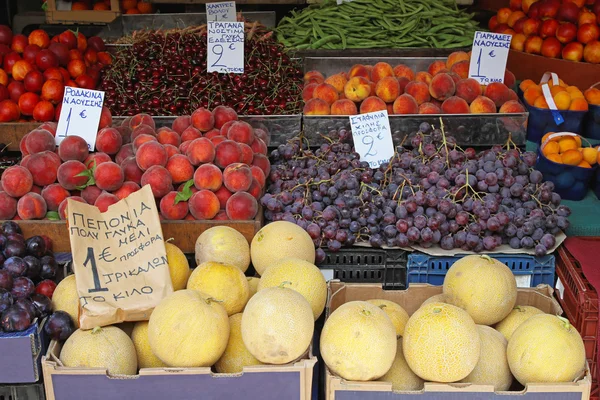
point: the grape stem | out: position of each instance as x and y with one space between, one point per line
466 186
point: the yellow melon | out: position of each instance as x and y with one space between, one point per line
253 285
400 375
277 325
441 343
145 356
179 268
236 355
482 286
396 313
278 240
492 368
517 316
108 347
301 276
65 298
224 283
546 348
187 329
224 245
438 298
358 341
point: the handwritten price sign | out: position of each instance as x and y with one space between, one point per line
80 115
372 137
219 12
488 57
226 47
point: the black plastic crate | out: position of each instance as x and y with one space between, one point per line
368 265
22 392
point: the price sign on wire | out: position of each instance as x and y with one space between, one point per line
226 47
372 137
488 57
80 115
222 11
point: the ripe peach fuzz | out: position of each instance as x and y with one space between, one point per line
180 168
338 81
419 91
424 77
455 105
262 162
171 150
200 151
16 181
126 189
168 136
223 194
149 154
237 177
325 92
43 167
259 175
255 190
403 71
468 89
39 140
247 153
458 56
314 76
344 107
227 152
91 193
8 206
551 48
357 89
208 176
203 120
380 71
387 89
436 66
316 107
372 104
108 176
223 115
53 195
359 70
109 141
105 200
512 107
241 132
204 205
461 68
482 105
241 206
259 146
442 87
159 179
590 155
405 104
171 211
31 206
181 123
497 92
429 108
142 119
307 92
95 159
125 152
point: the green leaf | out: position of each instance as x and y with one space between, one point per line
53 215
185 193
45 6
89 173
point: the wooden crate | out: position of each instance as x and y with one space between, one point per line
54 16
11 133
184 233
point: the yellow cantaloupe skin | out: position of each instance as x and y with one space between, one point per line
145 356
517 316
277 325
301 276
65 298
236 355
441 343
492 368
438 298
107 347
400 374
187 329
179 268
224 245
546 349
253 285
358 341
396 313
482 286
278 240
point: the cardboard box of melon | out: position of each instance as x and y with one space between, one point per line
398 345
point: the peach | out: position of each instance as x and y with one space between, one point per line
586 33
131 171
591 52
225 128
380 71
482 105
566 32
457 57
567 143
109 141
442 87
126 189
204 205
424 77
314 76
95 159
262 134
259 175
200 151
190 133
43 111
217 139
403 82
586 16
91 193
344 107
419 91
223 194
212 133
247 153
359 70
39 140
73 148
571 157
307 92
105 118
429 108
514 17
62 207
223 114
461 68
203 120
27 102
357 89
548 28
540 102
338 81
49 126
468 89
105 200
159 179
181 123
171 211
592 95
142 119
208 176
180 168
573 52
237 177
43 167
262 162
436 66
578 104
532 93
141 139
325 92
387 89
149 154
255 190
20 69
509 79
259 146
31 206
241 132
168 136
316 107
372 104
497 92
531 27
455 105
404 71
221 216
405 104
512 107
518 42
124 152
109 176
551 47
493 23
16 181
53 195
8 206
562 100
241 206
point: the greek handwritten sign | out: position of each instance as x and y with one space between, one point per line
80 115
225 47
372 137
221 11
488 57
119 260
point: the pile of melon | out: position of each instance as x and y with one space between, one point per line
217 316
474 332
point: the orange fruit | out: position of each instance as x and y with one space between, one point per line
526 84
540 102
129 4
532 93
574 92
577 140
145 8
578 104
560 83
101 7
79 6
584 164
550 148
132 11
562 100
590 155
557 89
547 135
571 157
554 157
567 143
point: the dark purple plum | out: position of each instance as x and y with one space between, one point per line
22 287
14 248
49 267
6 300
59 326
28 306
16 237
6 280
11 227
3 240
34 267
42 304
15 319
36 246
15 266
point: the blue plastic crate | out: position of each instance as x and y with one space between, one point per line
529 271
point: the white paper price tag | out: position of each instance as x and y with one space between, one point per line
523 281
80 115
372 137
488 57
343 1
226 47
221 11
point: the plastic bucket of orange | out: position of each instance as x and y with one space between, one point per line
563 161
591 122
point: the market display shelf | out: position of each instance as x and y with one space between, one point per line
33 391
529 271
367 265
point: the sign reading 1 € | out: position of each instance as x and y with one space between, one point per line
80 115
226 47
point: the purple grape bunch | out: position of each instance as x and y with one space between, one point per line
434 193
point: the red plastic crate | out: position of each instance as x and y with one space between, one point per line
579 300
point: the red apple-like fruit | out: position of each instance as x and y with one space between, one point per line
548 28
566 32
588 33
